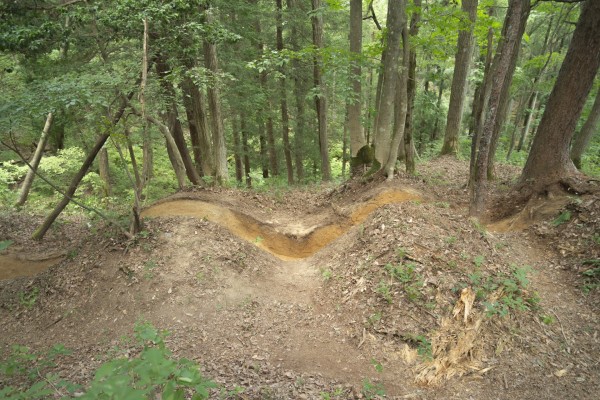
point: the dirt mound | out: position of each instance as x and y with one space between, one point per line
288 244
357 292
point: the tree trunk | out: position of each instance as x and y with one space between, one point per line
582 140
299 95
104 172
195 108
320 97
411 88
354 106
503 105
401 101
385 112
246 151
172 119
214 105
462 64
42 229
528 120
285 119
35 161
549 159
438 104
500 73
237 150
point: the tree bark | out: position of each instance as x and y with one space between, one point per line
104 173
500 73
528 120
385 112
35 161
354 106
216 119
549 159
401 101
246 152
237 150
42 229
321 97
582 140
411 88
462 64
299 95
172 119
285 119
195 108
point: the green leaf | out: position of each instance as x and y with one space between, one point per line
5 244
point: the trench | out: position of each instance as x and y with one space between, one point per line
285 246
18 265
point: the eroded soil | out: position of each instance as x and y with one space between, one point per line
290 296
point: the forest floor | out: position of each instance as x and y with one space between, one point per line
327 292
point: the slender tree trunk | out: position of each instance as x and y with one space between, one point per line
482 97
401 101
438 104
285 119
385 112
216 119
263 148
195 108
299 95
104 172
500 72
237 150
411 89
35 161
321 97
462 64
42 229
353 108
582 140
246 151
172 120
139 185
503 105
528 120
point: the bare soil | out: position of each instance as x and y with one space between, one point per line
290 294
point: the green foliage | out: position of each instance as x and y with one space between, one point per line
514 293
372 390
591 276
153 372
383 289
411 281
28 298
377 365
565 216
5 244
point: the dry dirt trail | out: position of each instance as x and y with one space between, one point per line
293 298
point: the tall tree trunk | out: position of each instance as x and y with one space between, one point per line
172 119
401 100
35 161
438 103
299 95
500 73
214 105
582 140
320 98
195 108
237 150
482 96
354 106
503 105
549 159
462 65
42 229
409 146
528 119
285 119
104 172
246 151
385 112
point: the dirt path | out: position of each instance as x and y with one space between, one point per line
297 302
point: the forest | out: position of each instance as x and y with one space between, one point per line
330 194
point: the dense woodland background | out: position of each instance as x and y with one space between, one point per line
154 96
